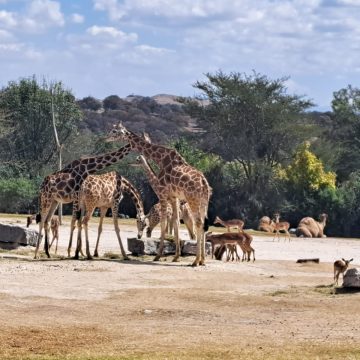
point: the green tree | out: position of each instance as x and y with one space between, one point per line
27 135
307 173
344 132
17 194
253 122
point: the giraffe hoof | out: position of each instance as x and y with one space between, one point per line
157 258
126 258
195 263
176 259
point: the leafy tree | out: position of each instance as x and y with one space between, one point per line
90 103
113 102
27 136
306 172
17 194
344 132
253 122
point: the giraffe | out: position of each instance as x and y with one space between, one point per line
177 181
155 212
106 191
63 187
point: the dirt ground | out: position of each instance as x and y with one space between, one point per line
106 308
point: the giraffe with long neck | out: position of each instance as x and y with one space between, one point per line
63 187
177 181
106 191
185 212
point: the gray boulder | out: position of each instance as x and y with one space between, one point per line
13 236
352 278
150 246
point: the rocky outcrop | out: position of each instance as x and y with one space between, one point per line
13 236
150 246
352 278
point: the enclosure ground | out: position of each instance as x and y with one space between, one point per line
107 308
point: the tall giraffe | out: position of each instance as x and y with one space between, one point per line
177 181
106 191
185 212
63 187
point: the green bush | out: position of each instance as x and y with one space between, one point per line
17 195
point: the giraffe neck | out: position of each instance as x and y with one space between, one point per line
153 179
160 154
135 196
90 165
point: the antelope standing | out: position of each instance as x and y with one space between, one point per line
230 223
281 225
340 266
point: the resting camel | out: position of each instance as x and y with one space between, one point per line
308 227
266 224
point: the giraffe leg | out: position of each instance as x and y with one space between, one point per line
115 210
163 214
102 215
89 212
50 213
43 215
176 224
78 217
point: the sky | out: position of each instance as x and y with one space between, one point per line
148 47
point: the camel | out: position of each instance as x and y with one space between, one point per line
308 227
266 224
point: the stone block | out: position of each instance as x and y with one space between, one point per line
13 236
352 278
150 246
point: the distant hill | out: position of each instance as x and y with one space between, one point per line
161 115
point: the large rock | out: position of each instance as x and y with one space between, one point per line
13 236
352 278
150 246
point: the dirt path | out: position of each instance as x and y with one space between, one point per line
272 308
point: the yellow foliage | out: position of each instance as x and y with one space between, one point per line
307 171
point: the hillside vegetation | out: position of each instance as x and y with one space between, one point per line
262 149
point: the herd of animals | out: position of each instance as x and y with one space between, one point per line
183 194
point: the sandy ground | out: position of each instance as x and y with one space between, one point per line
110 308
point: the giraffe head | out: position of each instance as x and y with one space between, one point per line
118 132
141 224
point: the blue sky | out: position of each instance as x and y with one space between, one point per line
147 47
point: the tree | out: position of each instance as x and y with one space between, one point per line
250 121
113 102
90 103
344 132
28 138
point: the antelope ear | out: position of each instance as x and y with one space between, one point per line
343 259
351 259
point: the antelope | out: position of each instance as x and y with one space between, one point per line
283 225
230 223
29 220
54 226
230 241
340 266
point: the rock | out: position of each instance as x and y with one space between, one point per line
13 236
352 278
189 248
150 246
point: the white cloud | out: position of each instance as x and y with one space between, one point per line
109 31
5 35
46 12
77 18
7 19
